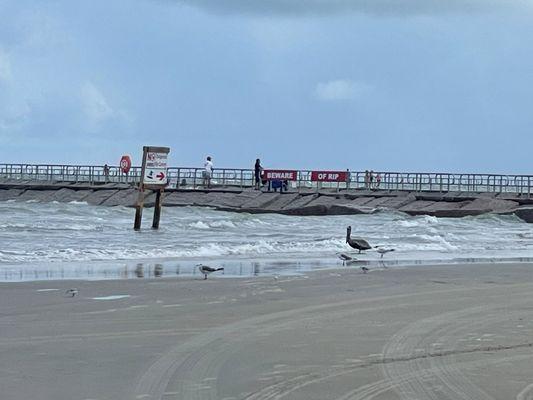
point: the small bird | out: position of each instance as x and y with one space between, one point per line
358 243
204 269
71 292
383 251
364 269
345 258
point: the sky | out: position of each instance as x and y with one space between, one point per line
388 85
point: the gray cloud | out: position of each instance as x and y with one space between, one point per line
377 7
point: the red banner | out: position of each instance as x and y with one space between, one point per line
329 176
280 175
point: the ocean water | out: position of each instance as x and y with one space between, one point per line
76 240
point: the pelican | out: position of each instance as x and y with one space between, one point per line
71 292
204 269
383 251
358 244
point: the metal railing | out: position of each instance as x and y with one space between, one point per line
192 178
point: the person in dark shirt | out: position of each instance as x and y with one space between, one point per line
258 171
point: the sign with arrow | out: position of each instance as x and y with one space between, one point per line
155 166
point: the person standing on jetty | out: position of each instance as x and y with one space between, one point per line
106 173
258 169
208 172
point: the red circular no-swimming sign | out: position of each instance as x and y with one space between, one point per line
125 164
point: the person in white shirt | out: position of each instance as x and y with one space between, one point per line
208 172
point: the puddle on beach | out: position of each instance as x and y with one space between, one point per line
232 268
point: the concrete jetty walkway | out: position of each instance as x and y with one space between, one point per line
325 202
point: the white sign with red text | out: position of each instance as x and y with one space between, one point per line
155 172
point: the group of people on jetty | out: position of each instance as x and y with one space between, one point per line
207 173
372 181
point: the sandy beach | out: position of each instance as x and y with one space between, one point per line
441 332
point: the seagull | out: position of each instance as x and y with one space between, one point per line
204 269
345 258
364 269
383 251
358 244
71 292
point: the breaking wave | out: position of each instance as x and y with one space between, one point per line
57 232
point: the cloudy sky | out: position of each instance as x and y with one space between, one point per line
405 85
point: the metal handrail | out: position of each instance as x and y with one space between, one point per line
192 177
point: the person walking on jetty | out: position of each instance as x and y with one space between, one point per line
258 170
367 179
208 172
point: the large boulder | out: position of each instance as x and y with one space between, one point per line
10 194
525 213
486 205
97 197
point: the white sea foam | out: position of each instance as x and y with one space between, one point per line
35 233
113 297
199 225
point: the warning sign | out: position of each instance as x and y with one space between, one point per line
155 166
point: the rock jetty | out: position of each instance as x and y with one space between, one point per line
450 204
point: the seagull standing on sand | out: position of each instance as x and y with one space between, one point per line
364 269
358 243
345 258
71 292
383 251
204 269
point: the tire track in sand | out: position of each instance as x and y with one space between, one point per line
446 375
200 358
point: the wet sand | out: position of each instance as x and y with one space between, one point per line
440 332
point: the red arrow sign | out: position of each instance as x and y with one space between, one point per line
161 176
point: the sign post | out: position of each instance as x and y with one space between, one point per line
154 175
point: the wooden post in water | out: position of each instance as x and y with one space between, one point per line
140 197
157 209
139 209
154 176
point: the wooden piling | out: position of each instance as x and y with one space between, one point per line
139 209
157 209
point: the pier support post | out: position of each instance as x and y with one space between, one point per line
139 209
157 209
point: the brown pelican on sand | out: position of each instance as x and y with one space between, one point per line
358 243
204 269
